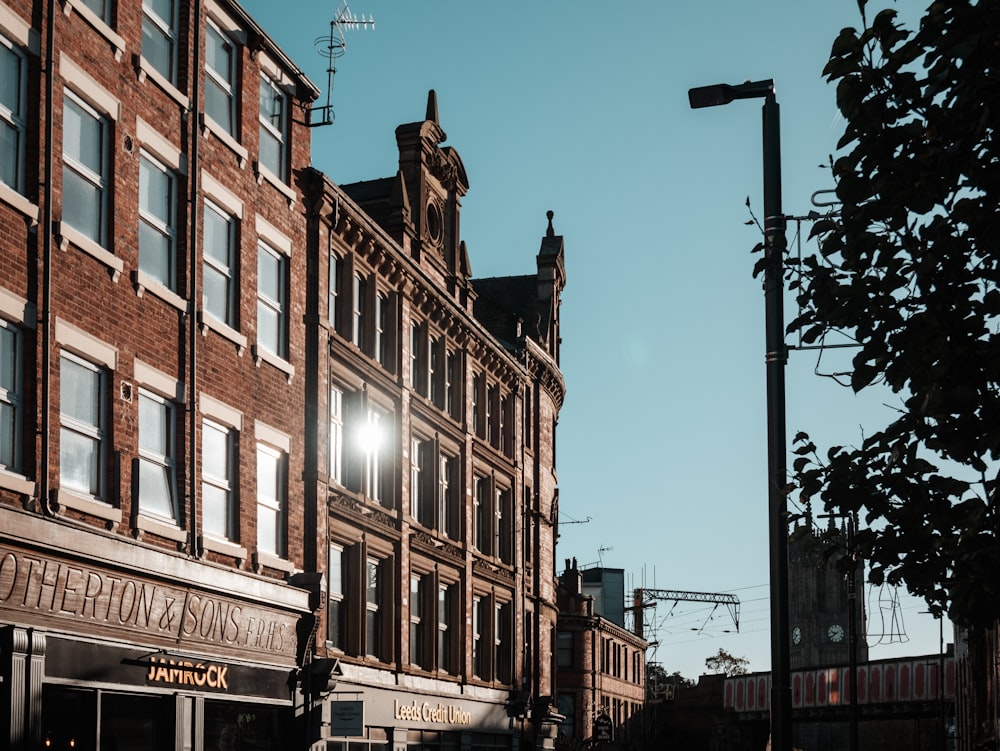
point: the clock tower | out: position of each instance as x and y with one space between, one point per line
819 592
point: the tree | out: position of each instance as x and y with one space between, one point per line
909 269
723 662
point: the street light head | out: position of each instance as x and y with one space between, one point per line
723 93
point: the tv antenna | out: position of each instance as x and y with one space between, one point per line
333 46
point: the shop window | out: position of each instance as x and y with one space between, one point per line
230 725
69 718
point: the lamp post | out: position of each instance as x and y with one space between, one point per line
775 358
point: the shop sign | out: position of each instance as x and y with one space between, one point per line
46 589
438 714
347 718
187 673
603 729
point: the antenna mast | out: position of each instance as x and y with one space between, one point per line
333 46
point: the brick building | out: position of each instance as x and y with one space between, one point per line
601 664
197 334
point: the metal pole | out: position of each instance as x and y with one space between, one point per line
852 630
776 356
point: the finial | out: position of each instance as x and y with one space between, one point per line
550 232
432 107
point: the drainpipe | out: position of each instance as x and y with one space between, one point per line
46 316
192 312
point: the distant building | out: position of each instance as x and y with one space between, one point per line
275 470
601 665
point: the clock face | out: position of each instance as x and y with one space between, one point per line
836 633
796 635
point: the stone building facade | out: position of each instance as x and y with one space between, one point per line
192 545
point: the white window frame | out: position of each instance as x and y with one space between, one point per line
447 491
98 181
418 646
16 119
164 464
213 265
11 399
226 483
276 307
276 135
381 317
95 433
359 290
167 228
337 434
479 667
336 597
167 29
225 81
272 503
374 592
445 636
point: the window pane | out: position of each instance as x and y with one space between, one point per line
215 452
78 392
155 492
10 80
155 254
218 244
218 52
155 194
270 152
214 502
9 161
158 49
78 458
153 425
218 105
8 342
101 9
82 205
83 137
163 8
6 435
270 276
267 530
268 332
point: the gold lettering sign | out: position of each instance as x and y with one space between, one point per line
187 673
42 588
439 714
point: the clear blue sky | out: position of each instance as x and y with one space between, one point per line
581 107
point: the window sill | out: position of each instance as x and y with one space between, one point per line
144 283
16 482
116 42
208 321
267 560
66 234
264 174
144 70
222 546
92 506
163 528
208 125
10 196
262 355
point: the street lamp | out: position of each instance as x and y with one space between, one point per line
775 358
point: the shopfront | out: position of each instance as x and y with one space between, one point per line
96 658
377 719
